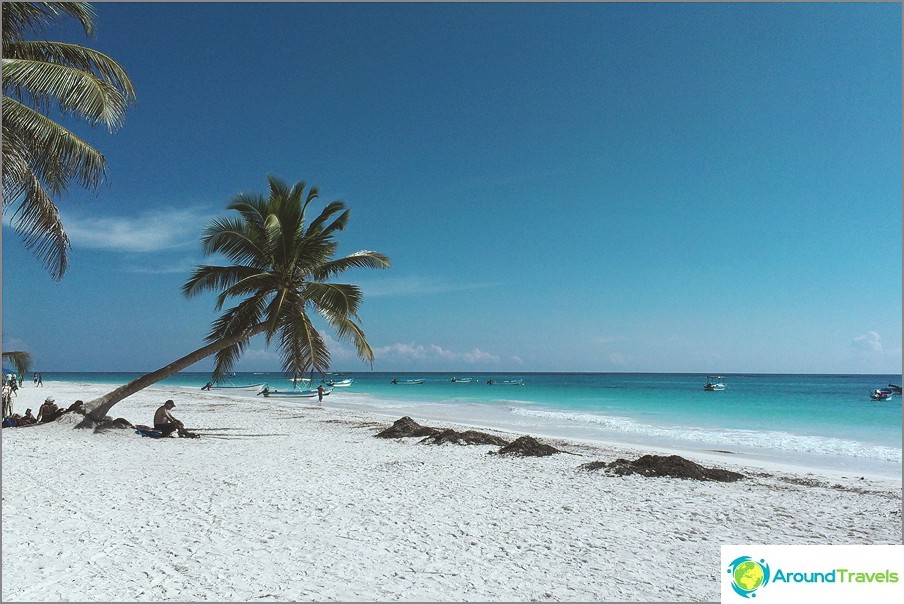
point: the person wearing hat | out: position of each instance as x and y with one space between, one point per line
165 422
48 411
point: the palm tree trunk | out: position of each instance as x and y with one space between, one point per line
98 408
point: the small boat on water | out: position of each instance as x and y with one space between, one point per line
292 393
882 394
407 382
340 384
459 380
714 383
230 386
518 382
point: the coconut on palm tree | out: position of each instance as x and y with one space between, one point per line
280 272
40 156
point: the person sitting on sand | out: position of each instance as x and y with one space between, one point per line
207 386
27 419
166 423
48 411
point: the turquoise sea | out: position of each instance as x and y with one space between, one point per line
821 421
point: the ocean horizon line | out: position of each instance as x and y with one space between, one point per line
501 371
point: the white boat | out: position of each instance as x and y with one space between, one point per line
458 380
882 394
341 383
293 393
714 383
407 382
236 386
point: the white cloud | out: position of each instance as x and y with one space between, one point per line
152 231
868 342
418 352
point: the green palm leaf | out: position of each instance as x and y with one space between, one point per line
40 157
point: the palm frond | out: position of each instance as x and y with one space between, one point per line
348 330
21 359
75 91
331 209
336 298
234 239
253 208
38 222
302 346
22 17
54 154
359 259
205 278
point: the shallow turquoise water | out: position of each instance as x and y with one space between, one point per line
822 420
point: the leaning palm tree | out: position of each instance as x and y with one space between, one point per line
281 268
41 157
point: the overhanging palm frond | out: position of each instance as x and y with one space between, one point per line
21 359
51 153
40 157
302 347
360 259
74 90
39 223
21 17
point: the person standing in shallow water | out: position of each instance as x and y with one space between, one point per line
320 394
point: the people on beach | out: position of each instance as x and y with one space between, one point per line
207 386
40 380
27 419
166 422
48 411
319 394
7 396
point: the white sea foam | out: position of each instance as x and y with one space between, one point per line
787 441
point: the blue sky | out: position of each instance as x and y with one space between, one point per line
560 187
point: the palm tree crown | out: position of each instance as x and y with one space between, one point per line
41 157
281 266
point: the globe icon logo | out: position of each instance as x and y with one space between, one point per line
748 575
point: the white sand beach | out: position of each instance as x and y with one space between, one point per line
289 501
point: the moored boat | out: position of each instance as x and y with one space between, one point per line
882 394
230 386
714 383
407 382
293 393
341 383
